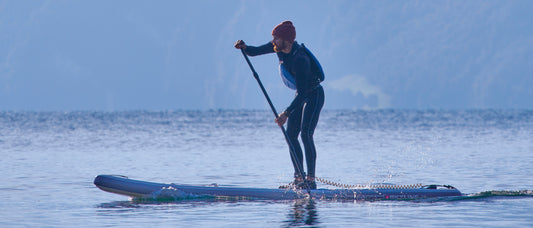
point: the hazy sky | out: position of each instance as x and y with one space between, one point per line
168 55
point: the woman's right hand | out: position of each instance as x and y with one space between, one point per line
240 44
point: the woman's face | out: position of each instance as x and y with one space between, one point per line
279 44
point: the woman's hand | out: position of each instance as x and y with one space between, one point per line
282 118
240 44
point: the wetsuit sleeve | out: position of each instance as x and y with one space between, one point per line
302 69
261 50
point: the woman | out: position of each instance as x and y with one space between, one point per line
299 72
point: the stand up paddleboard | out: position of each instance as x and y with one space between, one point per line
143 189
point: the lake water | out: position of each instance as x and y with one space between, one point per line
49 160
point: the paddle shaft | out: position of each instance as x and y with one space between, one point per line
291 147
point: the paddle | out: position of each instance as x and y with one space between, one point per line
291 147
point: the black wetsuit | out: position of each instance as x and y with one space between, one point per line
304 110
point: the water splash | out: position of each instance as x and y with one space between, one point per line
500 193
483 196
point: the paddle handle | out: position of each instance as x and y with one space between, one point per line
256 76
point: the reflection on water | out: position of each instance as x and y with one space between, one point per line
303 213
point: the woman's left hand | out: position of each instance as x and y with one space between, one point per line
282 118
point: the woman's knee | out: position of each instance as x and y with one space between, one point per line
293 134
307 135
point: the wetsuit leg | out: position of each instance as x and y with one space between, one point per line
311 113
293 130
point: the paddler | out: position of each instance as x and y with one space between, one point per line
302 72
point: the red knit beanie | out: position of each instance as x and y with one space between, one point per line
285 31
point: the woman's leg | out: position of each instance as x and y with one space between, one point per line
311 113
293 130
